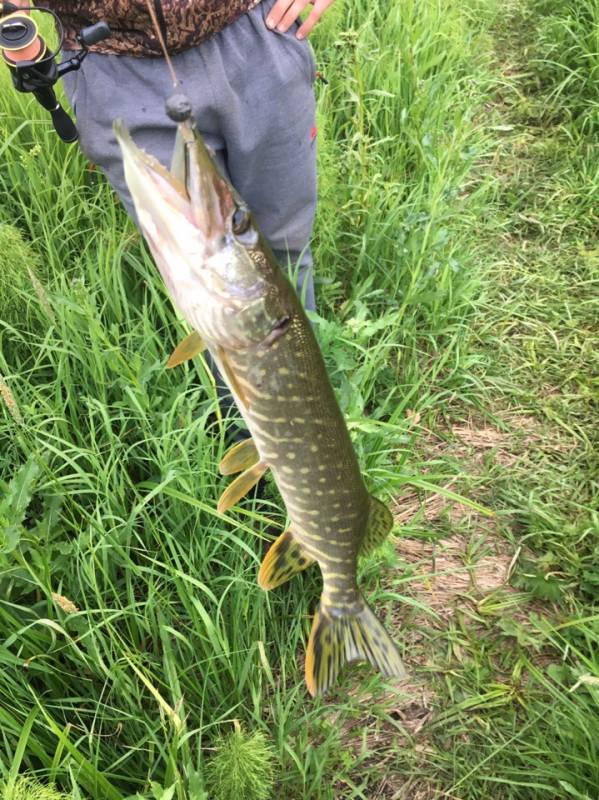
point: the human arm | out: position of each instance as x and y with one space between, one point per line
285 12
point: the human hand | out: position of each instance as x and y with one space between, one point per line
285 12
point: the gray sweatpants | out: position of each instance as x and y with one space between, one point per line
253 101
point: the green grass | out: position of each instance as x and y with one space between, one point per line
458 275
524 720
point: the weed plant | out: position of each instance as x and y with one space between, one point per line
29 789
242 767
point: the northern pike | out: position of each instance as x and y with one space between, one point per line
241 306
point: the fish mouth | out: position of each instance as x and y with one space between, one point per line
190 203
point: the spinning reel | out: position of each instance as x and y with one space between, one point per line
33 65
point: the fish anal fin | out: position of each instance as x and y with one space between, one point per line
339 640
191 346
241 486
242 455
380 523
285 559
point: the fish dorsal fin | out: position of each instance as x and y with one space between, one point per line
191 346
285 559
380 523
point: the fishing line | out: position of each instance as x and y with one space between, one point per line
158 29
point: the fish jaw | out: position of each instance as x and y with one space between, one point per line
174 212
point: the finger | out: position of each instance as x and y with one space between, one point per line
291 15
277 12
312 18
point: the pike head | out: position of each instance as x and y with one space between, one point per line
218 270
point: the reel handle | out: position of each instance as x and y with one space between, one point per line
63 124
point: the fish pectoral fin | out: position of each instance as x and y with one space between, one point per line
241 486
191 346
285 559
242 455
339 640
232 379
378 527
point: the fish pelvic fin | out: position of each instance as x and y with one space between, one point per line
337 640
239 457
240 486
378 527
285 559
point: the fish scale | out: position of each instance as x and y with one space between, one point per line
224 280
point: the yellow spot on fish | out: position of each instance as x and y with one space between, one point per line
322 467
313 448
291 456
322 480
288 470
283 371
319 493
304 470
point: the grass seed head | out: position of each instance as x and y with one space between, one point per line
67 605
10 402
18 260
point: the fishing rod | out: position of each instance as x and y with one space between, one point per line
33 64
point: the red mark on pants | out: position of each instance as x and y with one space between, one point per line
313 132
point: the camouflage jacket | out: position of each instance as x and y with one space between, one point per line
184 23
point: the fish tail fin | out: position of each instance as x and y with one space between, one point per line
337 639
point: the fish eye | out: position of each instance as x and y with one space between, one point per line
241 220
